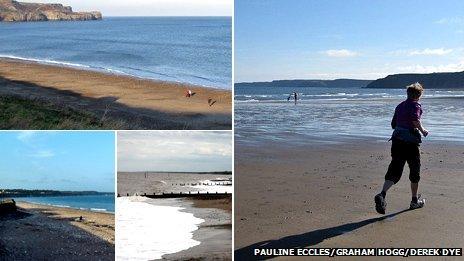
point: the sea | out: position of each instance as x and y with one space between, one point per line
194 50
338 115
97 203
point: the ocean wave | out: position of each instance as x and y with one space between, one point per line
44 61
244 101
99 209
45 204
60 206
204 81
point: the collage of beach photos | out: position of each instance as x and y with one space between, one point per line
231 130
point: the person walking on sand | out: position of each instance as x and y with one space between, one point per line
406 139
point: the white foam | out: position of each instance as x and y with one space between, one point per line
250 100
146 231
213 188
45 61
98 209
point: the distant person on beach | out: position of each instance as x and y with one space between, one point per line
294 95
406 139
189 93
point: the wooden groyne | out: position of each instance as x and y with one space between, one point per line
203 184
196 194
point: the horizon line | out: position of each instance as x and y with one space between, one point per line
341 78
228 16
160 171
58 190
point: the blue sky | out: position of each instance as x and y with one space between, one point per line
57 160
346 39
182 151
149 7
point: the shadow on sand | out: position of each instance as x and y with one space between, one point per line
306 239
110 108
41 234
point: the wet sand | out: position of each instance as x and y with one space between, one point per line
322 196
134 103
215 234
50 233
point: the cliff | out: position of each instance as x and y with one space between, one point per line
339 83
13 11
429 81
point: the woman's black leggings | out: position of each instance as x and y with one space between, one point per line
402 152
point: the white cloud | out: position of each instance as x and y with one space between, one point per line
25 136
340 53
428 51
452 67
43 154
150 7
451 20
174 151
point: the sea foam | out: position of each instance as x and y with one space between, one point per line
147 231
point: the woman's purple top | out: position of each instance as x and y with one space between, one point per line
406 113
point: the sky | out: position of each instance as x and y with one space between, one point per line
73 161
180 151
309 39
149 7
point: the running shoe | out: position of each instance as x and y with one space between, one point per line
380 204
419 204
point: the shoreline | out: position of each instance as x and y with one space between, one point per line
212 237
133 103
64 212
106 71
93 210
214 234
322 196
45 232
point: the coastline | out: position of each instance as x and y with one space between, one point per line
107 71
135 103
321 195
92 210
211 238
46 232
215 233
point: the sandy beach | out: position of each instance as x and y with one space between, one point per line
215 234
322 196
132 103
51 233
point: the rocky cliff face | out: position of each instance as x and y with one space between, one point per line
430 81
12 11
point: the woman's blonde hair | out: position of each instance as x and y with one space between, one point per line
414 91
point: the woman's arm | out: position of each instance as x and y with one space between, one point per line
417 124
393 122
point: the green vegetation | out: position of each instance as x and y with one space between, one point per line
18 113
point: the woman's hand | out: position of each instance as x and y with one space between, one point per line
425 132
